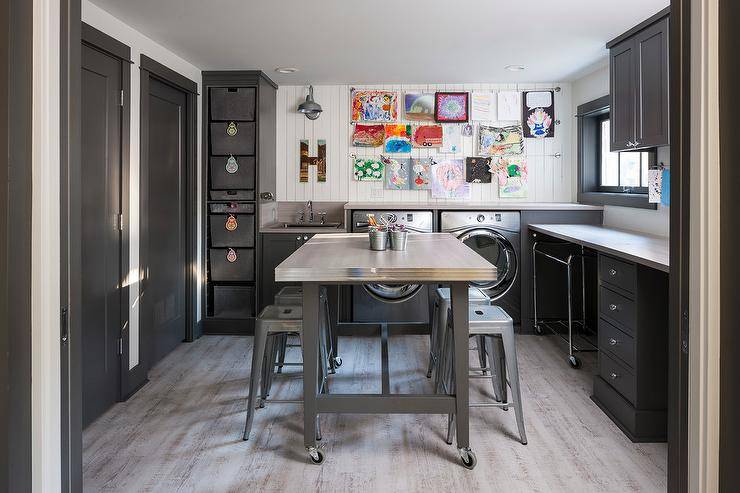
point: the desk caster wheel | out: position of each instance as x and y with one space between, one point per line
574 362
337 361
469 460
316 455
538 330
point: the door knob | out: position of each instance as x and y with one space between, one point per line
612 342
613 376
612 272
613 307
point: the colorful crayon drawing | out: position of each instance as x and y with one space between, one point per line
396 172
451 107
499 141
397 138
448 180
538 113
427 136
477 169
374 106
368 169
512 175
421 174
368 135
419 107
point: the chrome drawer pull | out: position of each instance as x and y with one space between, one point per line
613 375
613 307
612 272
612 342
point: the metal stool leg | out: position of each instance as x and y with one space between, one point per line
434 341
282 348
495 349
513 368
258 353
481 345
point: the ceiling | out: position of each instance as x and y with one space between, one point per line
348 41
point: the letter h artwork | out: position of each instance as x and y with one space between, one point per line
318 161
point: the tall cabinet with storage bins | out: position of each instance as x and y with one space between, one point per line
238 169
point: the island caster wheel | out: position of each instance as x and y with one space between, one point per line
538 330
574 362
316 455
469 460
337 361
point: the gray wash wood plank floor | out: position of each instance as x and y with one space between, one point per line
182 431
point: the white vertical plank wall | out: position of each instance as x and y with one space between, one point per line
551 179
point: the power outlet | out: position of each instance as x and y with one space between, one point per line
376 193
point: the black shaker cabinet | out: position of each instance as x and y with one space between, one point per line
276 247
638 82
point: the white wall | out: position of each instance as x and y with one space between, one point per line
45 243
550 179
139 45
651 221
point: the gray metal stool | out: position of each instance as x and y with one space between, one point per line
491 323
276 321
293 295
439 322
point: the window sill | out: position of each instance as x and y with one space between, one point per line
638 201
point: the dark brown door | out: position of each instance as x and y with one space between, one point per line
101 239
163 219
651 47
622 110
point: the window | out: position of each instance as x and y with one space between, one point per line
621 172
605 177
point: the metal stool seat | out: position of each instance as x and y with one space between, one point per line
276 321
439 322
493 324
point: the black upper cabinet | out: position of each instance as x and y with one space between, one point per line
638 73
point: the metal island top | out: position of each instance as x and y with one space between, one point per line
347 259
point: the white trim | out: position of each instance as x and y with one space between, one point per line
45 250
704 266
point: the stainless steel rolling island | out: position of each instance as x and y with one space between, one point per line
437 258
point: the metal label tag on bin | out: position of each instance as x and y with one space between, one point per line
231 255
231 129
231 223
231 165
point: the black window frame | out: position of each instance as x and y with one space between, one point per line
590 115
652 160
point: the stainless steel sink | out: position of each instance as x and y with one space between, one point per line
311 225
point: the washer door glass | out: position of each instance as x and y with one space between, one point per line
494 247
392 293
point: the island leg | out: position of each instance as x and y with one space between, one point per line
459 295
310 368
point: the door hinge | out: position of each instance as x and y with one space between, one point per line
121 101
120 346
64 325
120 222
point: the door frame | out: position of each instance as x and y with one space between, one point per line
16 20
678 332
151 69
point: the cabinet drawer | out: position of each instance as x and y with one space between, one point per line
231 208
231 195
617 308
617 272
617 343
241 142
233 301
233 103
241 233
227 177
223 269
618 376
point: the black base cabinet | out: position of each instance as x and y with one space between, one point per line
276 247
632 381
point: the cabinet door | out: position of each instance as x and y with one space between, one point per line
623 95
276 247
651 47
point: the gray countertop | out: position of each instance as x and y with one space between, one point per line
347 258
511 206
641 248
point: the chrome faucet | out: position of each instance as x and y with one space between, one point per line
309 207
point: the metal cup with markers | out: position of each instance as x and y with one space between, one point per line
399 237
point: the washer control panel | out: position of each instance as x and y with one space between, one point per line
508 220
